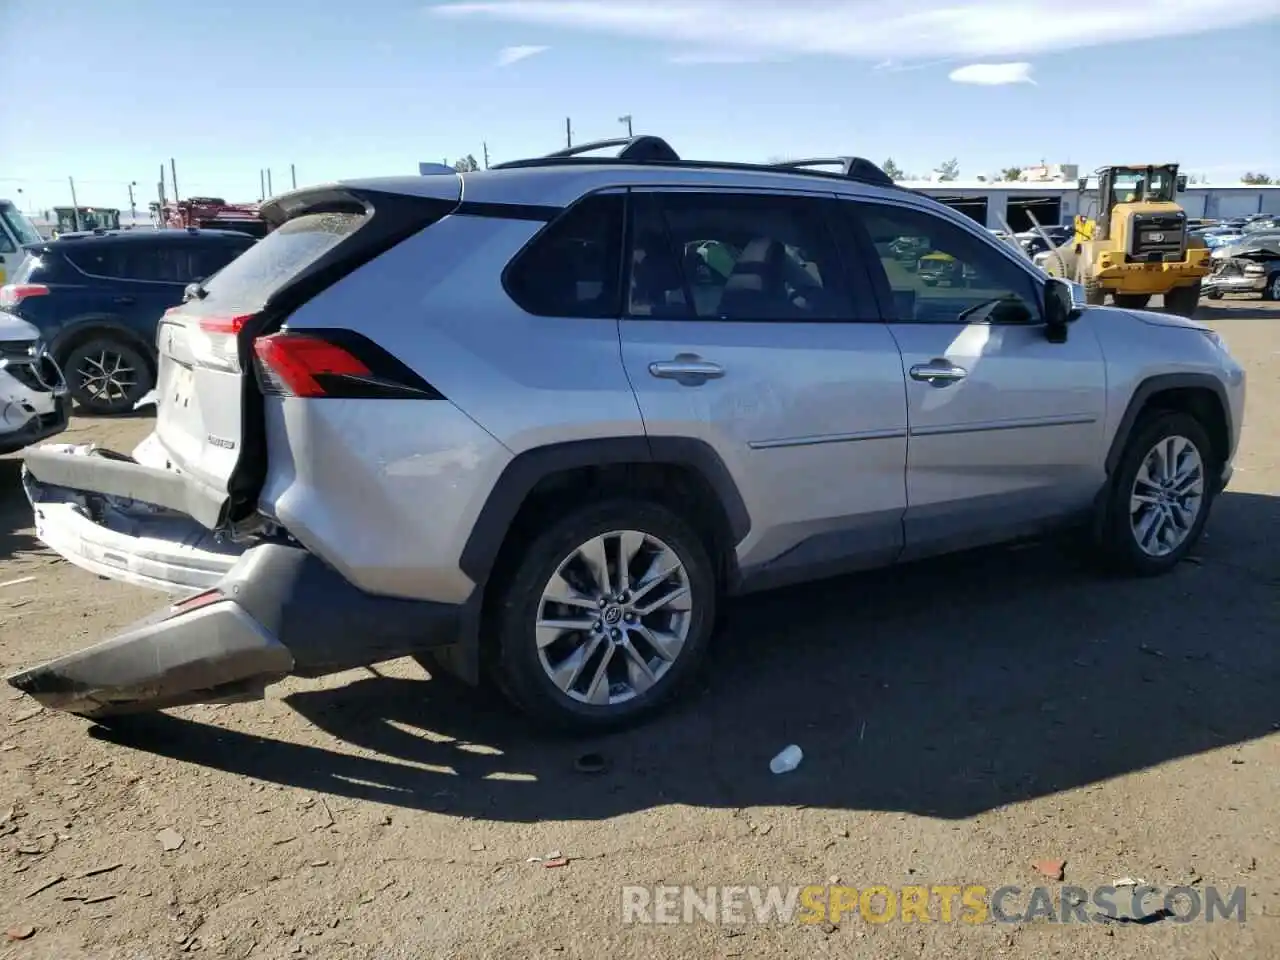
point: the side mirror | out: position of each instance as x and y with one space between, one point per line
1063 302
191 291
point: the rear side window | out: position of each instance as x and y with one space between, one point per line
98 259
250 279
572 268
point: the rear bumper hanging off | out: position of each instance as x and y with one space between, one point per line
280 610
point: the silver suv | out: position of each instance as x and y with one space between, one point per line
536 423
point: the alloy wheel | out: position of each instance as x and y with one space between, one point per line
108 377
614 617
1167 496
1275 287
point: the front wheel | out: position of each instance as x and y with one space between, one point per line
606 615
1183 300
1160 494
1272 290
107 376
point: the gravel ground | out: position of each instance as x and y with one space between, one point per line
960 720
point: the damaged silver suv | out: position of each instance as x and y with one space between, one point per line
536 423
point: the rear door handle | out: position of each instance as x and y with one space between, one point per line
687 369
938 373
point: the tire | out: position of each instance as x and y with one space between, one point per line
1133 301
1183 300
1214 294
1272 290
1094 295
131 380
519 667
1120 544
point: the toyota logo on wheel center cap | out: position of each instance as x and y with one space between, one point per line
612 614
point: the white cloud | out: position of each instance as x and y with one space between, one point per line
873 29
718 56
992 74
509 55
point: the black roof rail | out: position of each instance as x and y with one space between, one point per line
854 168
642 149
650 149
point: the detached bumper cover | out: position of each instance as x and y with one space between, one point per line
139 543
1235 284
279 611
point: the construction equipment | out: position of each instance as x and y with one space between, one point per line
1133 243
210 213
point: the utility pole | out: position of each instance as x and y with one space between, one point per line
270 192
75 206
293 175
568 133
133 207
262 184
627 120
173 170
485 144
162 195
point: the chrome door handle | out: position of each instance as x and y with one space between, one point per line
938 373
688 369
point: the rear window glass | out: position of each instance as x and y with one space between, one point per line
279 256
572 268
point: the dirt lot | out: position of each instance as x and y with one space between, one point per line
959 721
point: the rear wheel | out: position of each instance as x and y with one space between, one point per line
106 375
1160 494
1272 290
1133 301
1183 300
605 616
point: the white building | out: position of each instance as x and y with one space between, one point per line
1058 202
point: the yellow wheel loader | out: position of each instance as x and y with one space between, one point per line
1136 244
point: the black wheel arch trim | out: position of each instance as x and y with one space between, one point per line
529 468
1149 388
99 326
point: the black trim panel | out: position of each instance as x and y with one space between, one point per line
866 542
1159 384
530 467
508 211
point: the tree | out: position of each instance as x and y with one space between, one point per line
893 171
1257 179
949 170
466 165
1011 173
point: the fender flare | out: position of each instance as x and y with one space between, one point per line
1147 389
529 468
104 325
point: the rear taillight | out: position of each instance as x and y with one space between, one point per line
214 344
12 294
334 363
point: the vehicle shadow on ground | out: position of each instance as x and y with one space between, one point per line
944 689
1238 310
15 513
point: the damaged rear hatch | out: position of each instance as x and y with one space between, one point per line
180 512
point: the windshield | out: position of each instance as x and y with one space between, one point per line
1134 184
90 219
18 224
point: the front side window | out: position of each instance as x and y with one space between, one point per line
571 268
743 257
105 260
940 273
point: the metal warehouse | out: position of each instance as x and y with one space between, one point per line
1057 202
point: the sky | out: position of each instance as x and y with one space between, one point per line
106 92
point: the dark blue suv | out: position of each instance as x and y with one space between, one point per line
97 299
